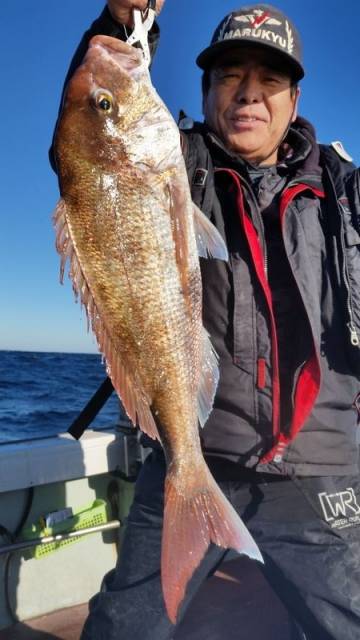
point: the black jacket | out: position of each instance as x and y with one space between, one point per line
251 422
302 422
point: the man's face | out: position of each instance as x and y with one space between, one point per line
250 103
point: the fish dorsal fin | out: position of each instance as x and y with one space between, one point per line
208 240
208 381
133 397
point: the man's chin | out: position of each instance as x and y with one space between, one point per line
242 147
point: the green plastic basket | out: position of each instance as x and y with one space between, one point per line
90 515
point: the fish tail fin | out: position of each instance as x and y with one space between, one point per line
193 518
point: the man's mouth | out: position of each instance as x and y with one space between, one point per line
246 119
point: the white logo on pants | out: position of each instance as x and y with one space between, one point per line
339 505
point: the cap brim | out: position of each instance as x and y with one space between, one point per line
208 57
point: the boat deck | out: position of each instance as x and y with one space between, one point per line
234 603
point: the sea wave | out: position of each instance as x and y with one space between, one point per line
43 393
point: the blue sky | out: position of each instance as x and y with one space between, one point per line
37 41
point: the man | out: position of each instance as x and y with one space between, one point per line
283 315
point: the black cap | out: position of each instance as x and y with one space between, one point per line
261 25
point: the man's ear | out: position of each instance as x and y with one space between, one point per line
203 105
296 102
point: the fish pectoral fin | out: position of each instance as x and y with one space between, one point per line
136 404
208 381
64 244
177 201
198 513
209 242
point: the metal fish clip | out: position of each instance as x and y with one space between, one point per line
143 21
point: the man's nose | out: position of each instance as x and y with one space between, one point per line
249 90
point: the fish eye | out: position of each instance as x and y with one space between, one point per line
105 104
104 100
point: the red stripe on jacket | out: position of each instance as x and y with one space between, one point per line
308 383
309 380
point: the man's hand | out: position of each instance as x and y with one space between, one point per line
121 10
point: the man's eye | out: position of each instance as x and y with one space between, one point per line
276 79
229 76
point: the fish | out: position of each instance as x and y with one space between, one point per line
132 237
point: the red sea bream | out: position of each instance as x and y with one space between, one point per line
132 236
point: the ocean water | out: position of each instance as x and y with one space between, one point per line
42 393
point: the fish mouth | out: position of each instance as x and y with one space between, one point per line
116 51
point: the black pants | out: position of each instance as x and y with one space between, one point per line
308 531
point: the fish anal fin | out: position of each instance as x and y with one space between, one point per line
208 240
134 400
192 520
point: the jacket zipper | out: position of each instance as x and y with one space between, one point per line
354 337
